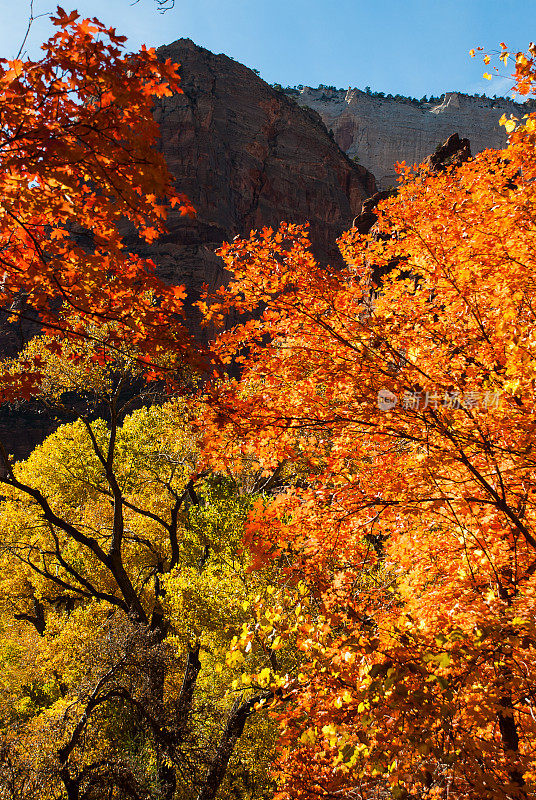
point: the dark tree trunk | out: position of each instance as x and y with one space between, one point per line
186 697
232 733
38 620
72 786
168 781
510 740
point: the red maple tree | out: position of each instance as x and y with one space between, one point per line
79 165
407 410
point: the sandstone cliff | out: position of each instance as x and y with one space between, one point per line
247 156
382 131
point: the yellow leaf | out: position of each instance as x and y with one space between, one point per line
329 730
263 678
487 76
308 737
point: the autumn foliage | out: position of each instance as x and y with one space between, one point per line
380 442
79 168
410 542
121 580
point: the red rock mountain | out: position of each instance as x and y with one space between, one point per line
247 156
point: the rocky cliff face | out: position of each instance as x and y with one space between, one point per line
382 131
247 156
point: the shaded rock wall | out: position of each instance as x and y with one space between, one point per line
247 156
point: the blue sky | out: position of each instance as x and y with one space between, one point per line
410 47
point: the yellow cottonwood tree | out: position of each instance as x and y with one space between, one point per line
122 584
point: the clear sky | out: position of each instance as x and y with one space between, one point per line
410 47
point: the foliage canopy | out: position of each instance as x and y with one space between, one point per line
412 403
389 618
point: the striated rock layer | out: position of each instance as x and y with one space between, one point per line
247 156
382 131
